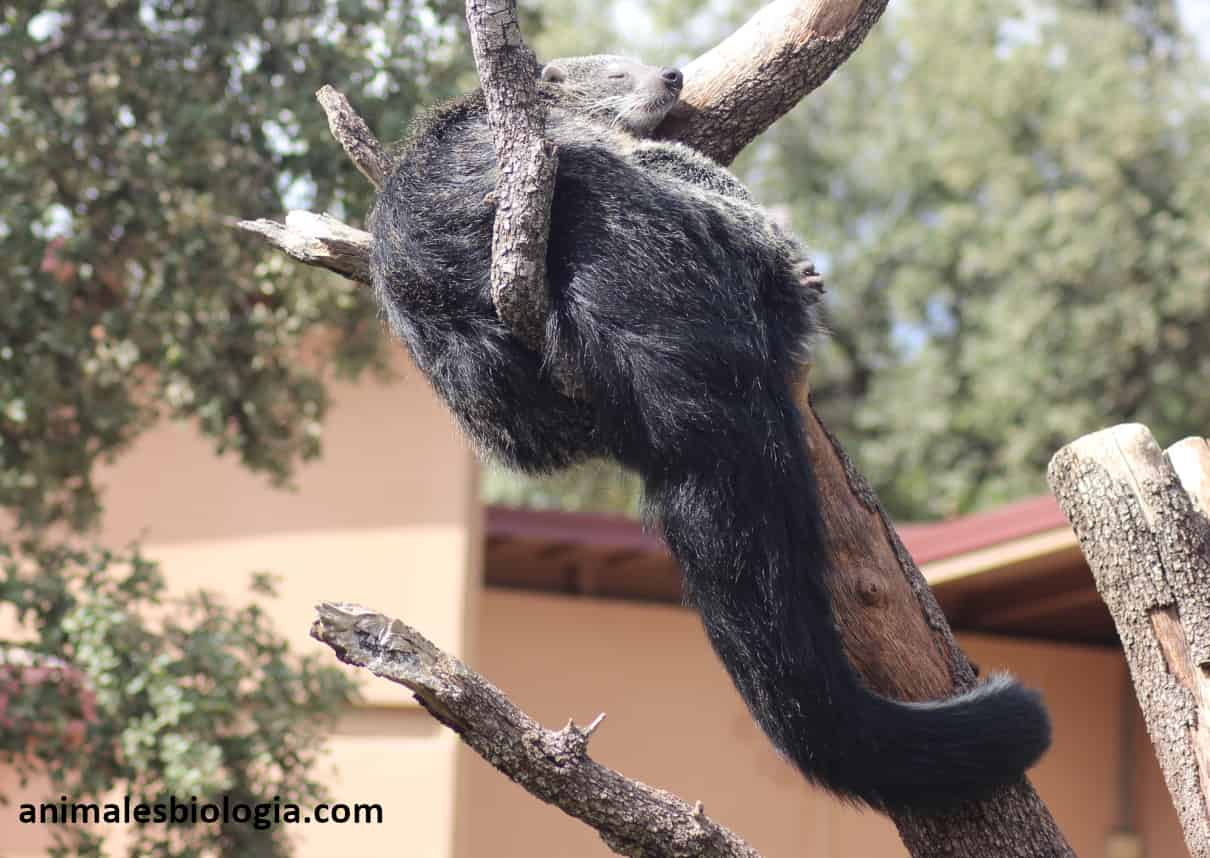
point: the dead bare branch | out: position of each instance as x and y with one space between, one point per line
553 765
737 89
527 164
319 240
355 137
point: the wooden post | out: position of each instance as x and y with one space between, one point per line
1141 518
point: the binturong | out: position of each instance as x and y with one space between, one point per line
687 314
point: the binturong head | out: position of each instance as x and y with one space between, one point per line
619 90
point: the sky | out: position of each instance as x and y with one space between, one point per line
1197 17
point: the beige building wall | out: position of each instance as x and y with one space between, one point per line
388 517
675 722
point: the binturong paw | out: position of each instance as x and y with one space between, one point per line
808 277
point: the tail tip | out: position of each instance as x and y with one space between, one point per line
962 748
1015 704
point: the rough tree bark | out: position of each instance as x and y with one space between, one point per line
319 240
527 163
893 630
896 635
1141 517
553 765
739 88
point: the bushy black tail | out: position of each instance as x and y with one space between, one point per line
741 517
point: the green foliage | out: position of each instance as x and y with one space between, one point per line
158 697
1013 206
132 135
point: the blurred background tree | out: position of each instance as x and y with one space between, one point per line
132 134
1011 203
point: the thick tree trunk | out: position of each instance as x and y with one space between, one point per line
898 639
1141 517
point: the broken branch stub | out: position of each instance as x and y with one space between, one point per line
1148 546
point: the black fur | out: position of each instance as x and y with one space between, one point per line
679 302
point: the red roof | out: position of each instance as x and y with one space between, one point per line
926 542
941 539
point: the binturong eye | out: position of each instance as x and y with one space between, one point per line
617 75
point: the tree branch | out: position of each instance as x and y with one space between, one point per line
319 240
739 88
1143 528
355 137
526 163
552 765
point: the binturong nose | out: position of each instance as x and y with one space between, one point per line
672 77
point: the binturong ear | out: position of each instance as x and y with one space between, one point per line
552 73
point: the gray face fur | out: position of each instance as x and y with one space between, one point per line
625 92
